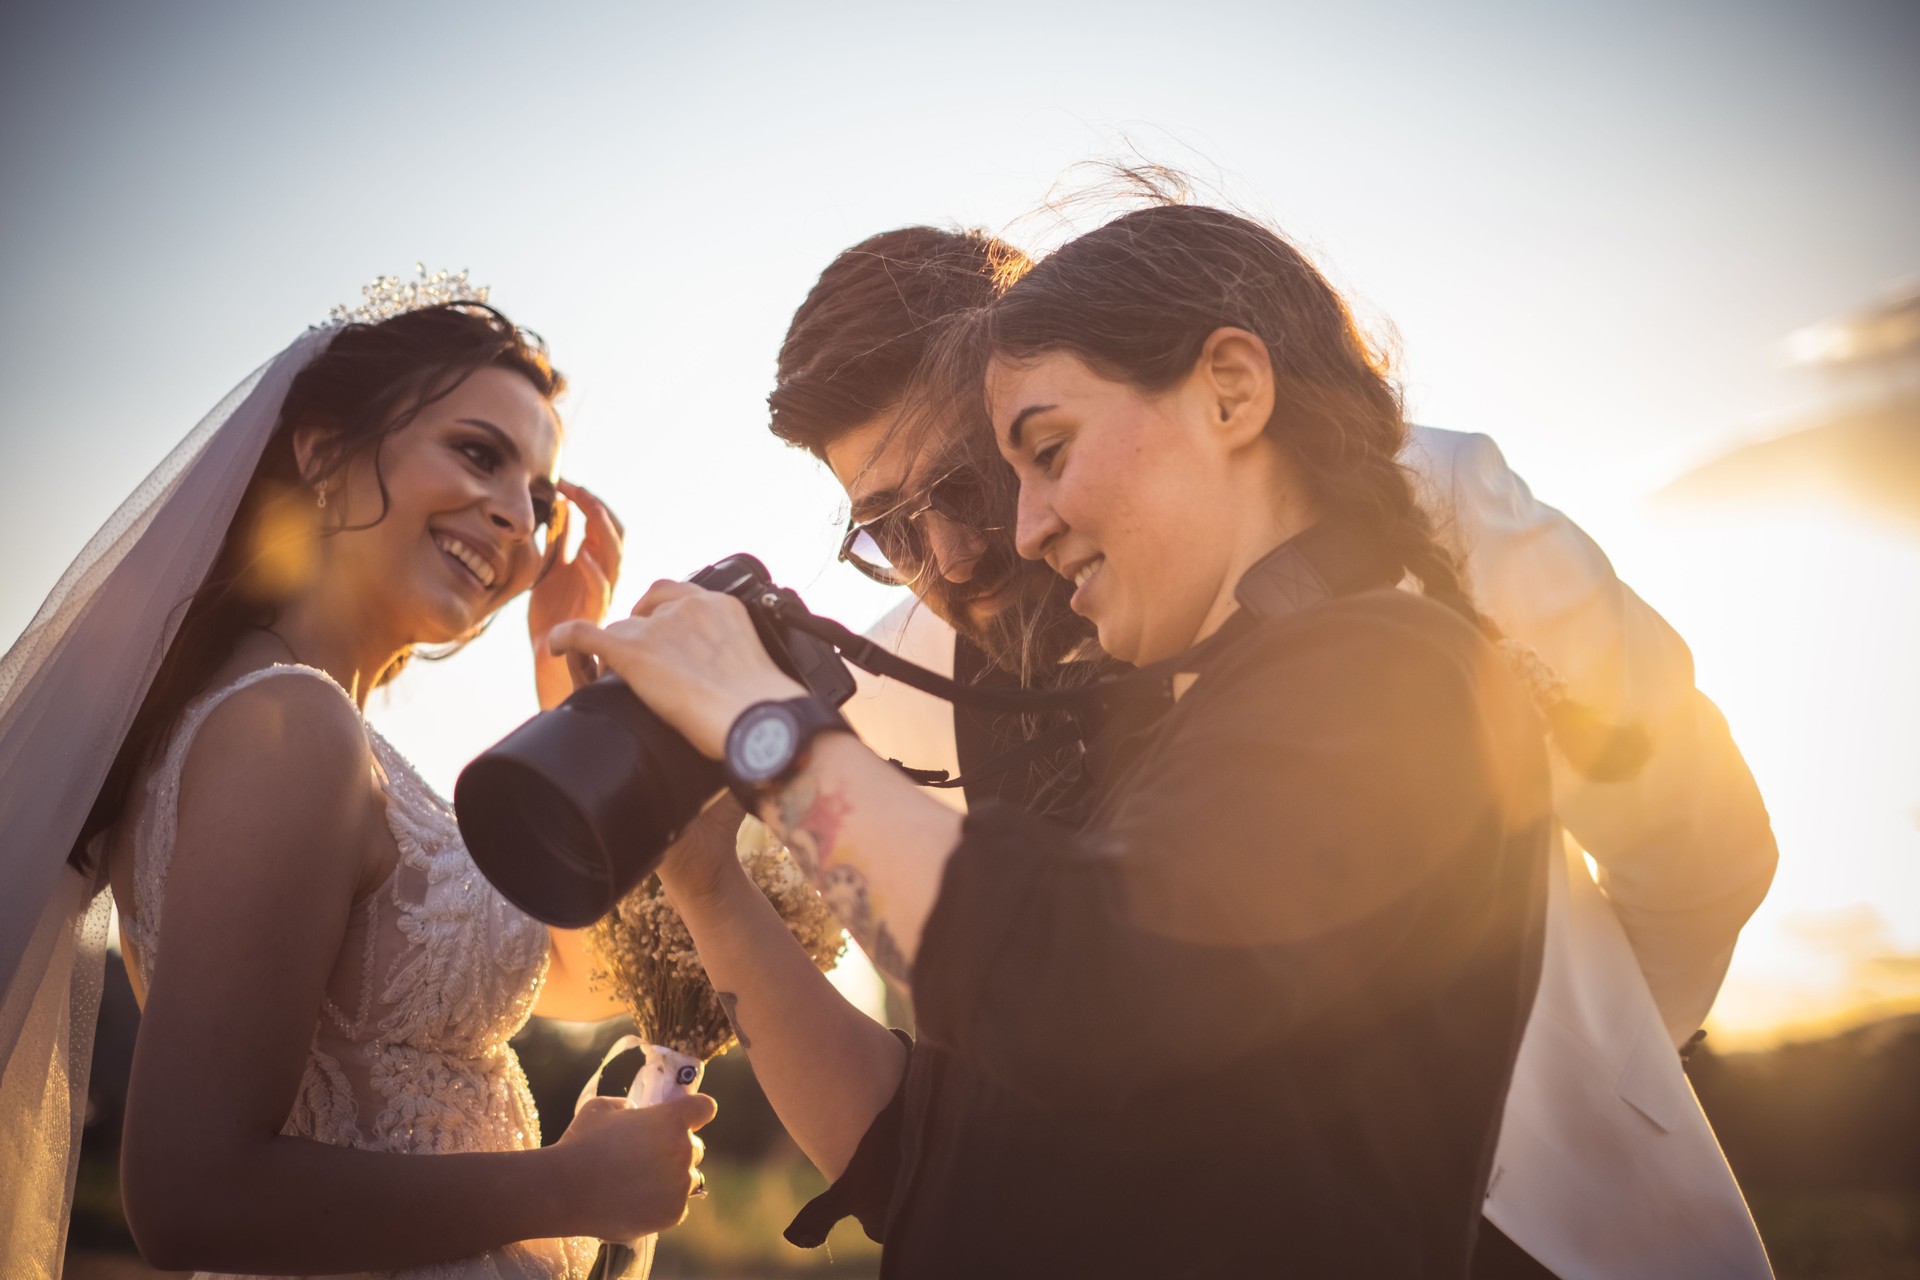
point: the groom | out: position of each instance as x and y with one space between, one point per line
1606 1166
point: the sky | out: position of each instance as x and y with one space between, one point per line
1588 229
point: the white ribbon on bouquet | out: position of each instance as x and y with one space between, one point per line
667 1073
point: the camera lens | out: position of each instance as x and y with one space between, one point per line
576 806
557 870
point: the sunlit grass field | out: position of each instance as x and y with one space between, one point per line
735 1232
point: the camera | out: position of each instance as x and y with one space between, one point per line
572 809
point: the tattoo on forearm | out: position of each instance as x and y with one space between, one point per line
810 821
845 891
730 1005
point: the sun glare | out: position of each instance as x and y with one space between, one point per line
1804 624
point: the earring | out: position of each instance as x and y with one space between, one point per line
322 491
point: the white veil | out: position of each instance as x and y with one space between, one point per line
69 689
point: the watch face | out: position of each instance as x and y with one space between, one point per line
766 745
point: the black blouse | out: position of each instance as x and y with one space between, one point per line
1258 1015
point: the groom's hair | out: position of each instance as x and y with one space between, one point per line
854 344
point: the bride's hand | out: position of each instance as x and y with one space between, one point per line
580 588
631 1169
693 657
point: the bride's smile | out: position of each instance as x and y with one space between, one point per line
446 519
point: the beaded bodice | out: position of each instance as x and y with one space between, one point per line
436 973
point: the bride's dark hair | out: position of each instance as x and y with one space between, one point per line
372 380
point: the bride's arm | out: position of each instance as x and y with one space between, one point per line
276 804
579 586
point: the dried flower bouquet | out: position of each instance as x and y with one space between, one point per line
645 954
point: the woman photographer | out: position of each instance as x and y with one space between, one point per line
1263 1006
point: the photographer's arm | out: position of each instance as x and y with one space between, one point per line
874 842
827 1068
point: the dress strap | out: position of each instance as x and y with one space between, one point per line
198 710
158 826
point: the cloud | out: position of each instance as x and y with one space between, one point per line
1852 971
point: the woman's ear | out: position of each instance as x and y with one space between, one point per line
309 441
1236 376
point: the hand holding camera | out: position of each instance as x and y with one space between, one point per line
577 805
692 655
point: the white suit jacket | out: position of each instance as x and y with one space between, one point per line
1606 1166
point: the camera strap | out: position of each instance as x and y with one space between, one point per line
1055 739
1141 687
878 660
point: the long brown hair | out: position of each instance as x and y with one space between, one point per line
1137 299
371 381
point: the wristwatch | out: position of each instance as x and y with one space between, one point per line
768 743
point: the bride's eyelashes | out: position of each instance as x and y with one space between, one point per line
481 453
485 457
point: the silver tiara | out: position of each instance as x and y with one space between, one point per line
390 296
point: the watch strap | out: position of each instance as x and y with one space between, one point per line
811 717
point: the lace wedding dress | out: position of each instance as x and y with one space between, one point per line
436 974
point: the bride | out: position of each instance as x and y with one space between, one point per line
328 986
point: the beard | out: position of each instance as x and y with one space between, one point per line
1015 611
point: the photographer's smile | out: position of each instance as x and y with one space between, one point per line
1081 575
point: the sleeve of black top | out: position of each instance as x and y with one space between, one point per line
1326 824
864 1188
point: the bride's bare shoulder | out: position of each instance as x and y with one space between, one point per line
286 753
290 711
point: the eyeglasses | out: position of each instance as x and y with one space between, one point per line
892 548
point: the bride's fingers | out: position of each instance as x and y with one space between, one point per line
583 668
692 1110
557 532
597 1108
596 509
602 544
603 526
599 571
602 549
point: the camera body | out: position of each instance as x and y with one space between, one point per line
572 809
